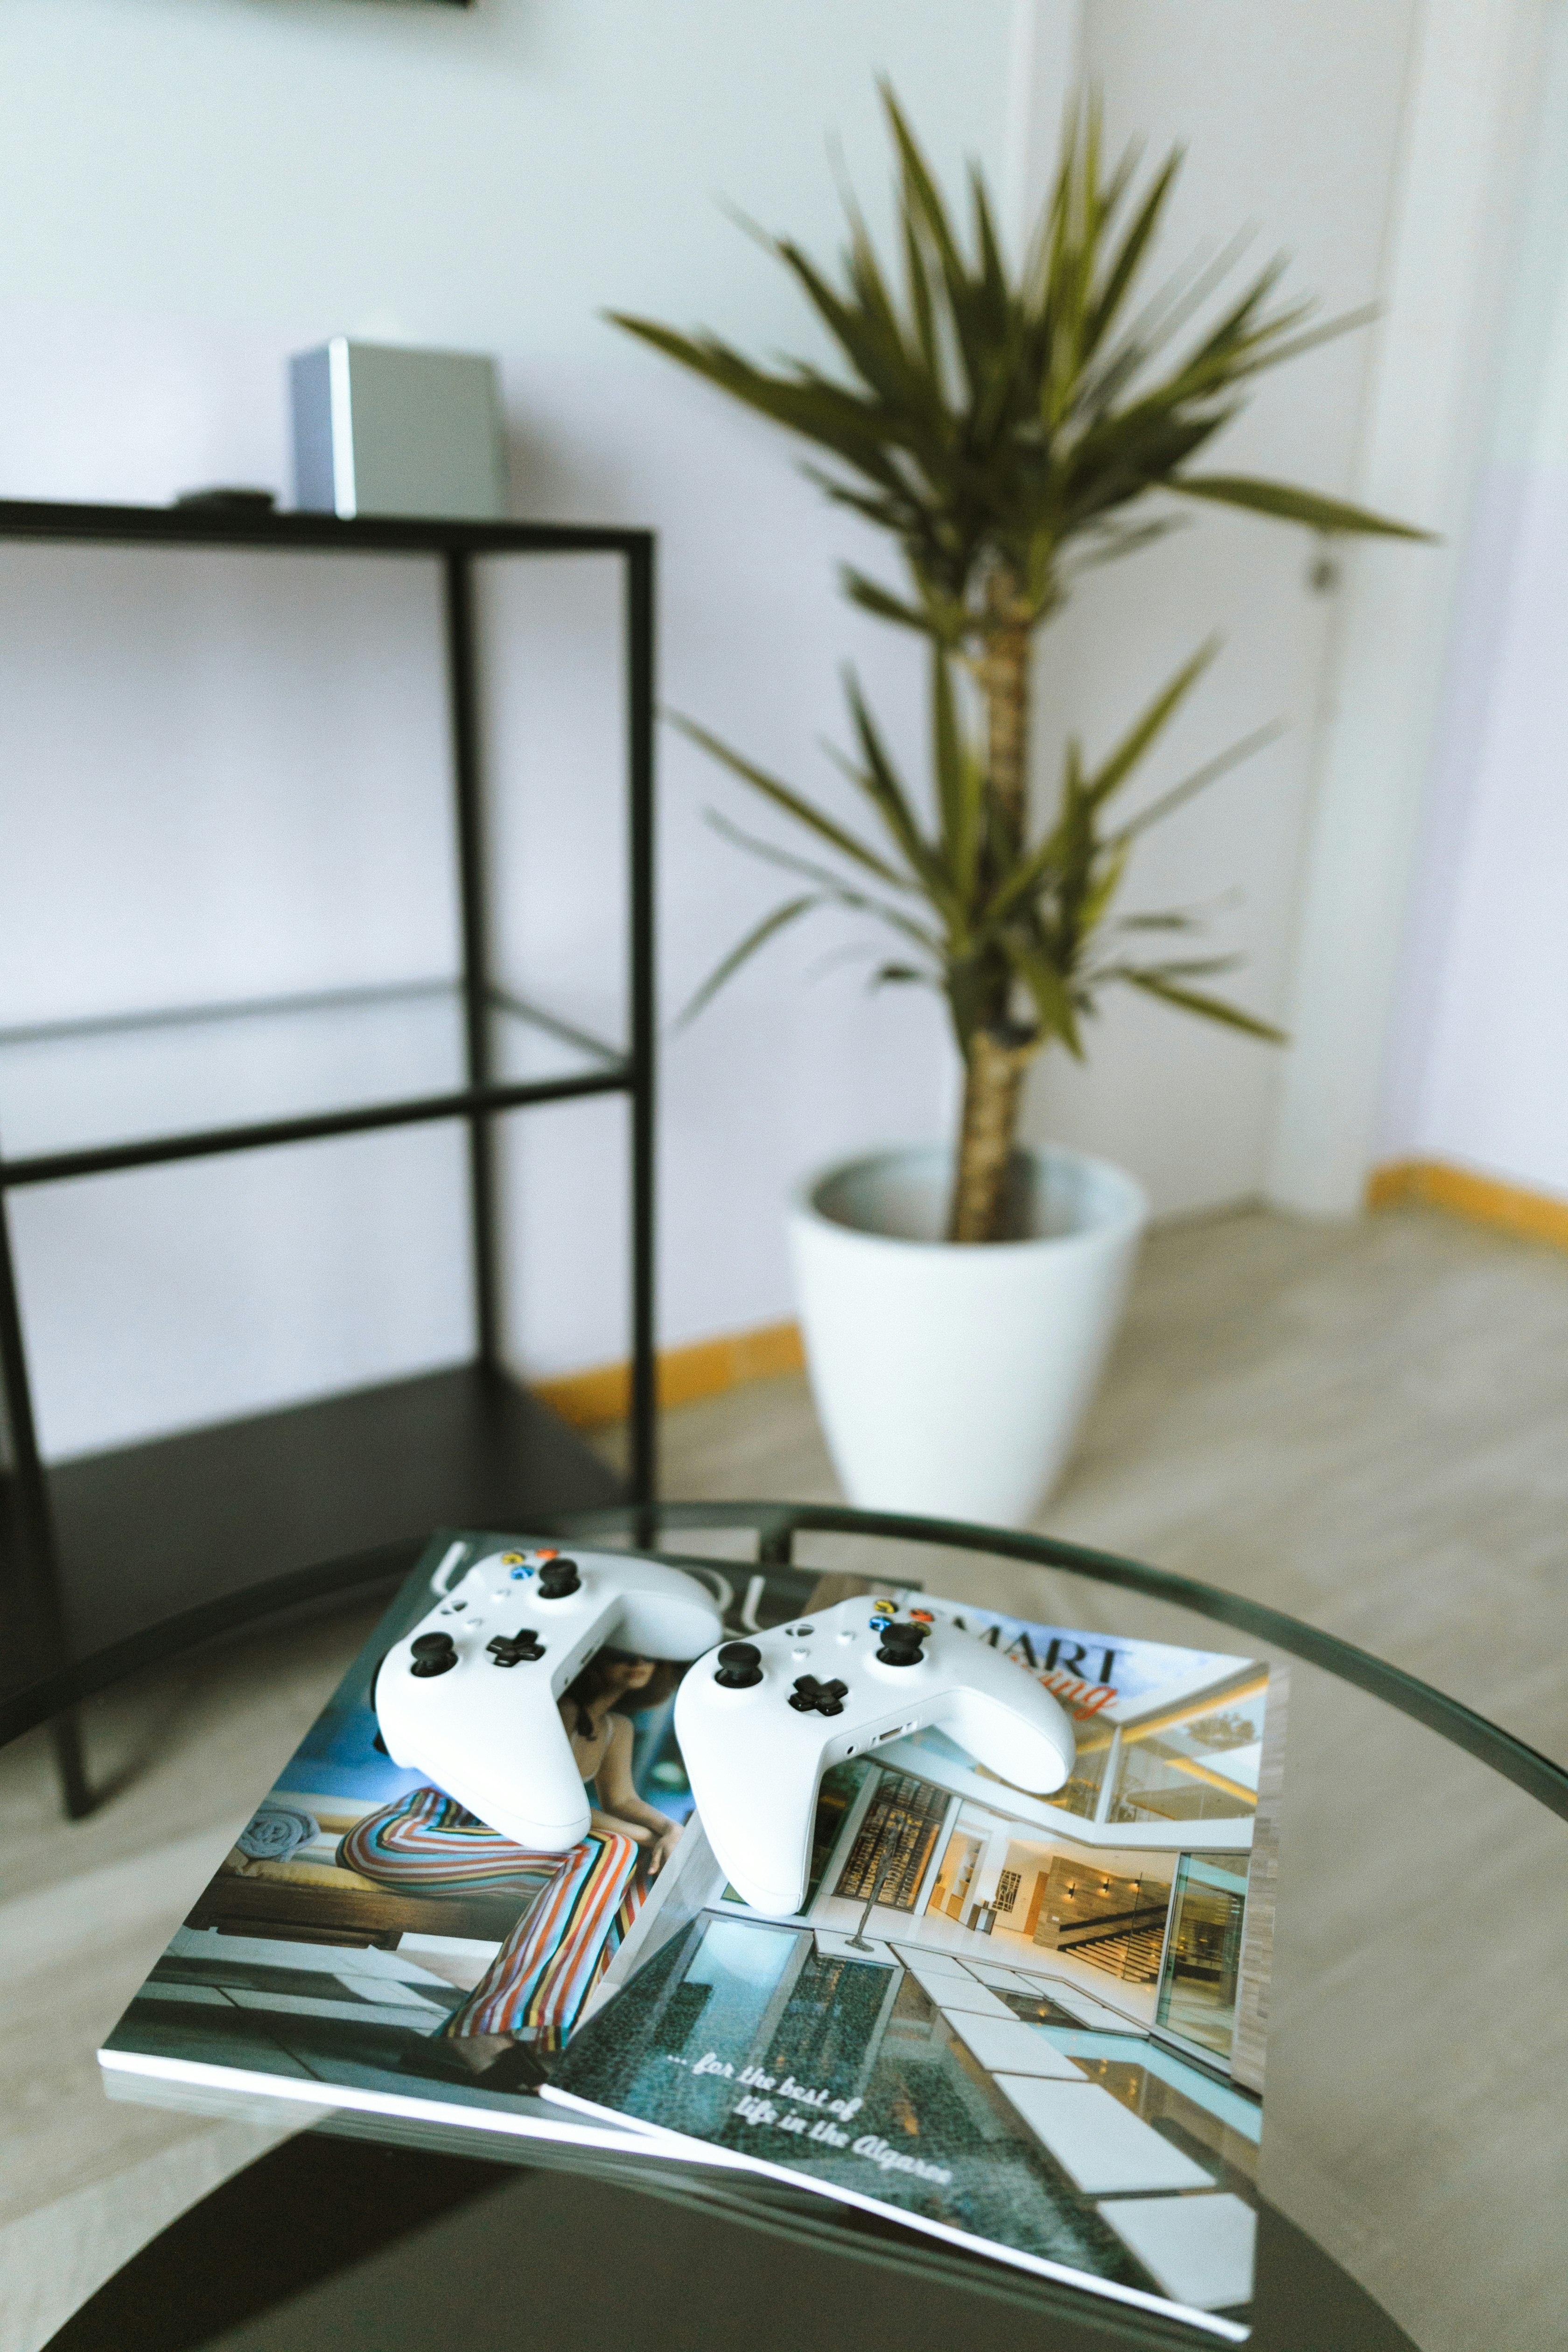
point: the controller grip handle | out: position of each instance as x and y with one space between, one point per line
1034 1751
512 1769
761 1826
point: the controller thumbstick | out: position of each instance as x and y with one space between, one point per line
558 1578
740 1666
433 1654
900 1645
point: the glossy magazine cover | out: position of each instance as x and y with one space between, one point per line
1029 2026
367 1946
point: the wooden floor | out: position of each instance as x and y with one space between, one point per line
1365 1426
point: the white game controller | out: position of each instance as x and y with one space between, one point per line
469 1695
760 1721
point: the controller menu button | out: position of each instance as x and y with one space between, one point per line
510 1649
740 1666
433 1654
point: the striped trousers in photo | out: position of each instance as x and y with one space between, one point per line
584 1902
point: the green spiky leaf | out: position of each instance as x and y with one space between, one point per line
758 937
1282 503
1051 996
1146 730
1209 1008
826 828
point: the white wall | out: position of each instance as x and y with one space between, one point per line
196 189
200 186
1480 1054
1291 118
1474 82
1382 147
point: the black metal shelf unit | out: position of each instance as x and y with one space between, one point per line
82 1559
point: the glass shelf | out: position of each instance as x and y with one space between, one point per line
167 1077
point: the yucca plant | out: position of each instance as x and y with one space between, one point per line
1008 426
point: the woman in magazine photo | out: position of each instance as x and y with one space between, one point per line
525 2006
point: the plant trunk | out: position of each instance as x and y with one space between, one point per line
998 1054
992 1080
1004 676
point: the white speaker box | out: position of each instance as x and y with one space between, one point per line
383 430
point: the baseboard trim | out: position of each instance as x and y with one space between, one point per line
704 1368
1485 1200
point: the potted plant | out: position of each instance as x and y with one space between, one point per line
1005 426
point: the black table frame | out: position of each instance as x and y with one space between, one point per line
456 545
775 1524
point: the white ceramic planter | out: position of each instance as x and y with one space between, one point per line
950 1380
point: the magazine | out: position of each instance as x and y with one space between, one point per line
330 1965
1031 2027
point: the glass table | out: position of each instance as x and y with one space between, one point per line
1412 2176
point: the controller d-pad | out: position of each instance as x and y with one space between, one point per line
809 1696
510 1649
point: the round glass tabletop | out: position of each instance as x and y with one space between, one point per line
1305 1925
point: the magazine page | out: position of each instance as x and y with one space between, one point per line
1030 2026
367 1945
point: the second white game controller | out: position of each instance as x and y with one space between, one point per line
759 1722
469 1696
